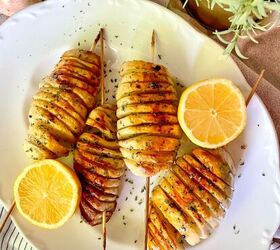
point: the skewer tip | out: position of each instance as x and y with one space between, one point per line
254 87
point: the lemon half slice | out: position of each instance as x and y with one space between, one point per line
47 193
212 113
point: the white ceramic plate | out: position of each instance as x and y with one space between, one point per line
30 45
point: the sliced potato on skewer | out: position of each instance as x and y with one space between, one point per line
148 156
170 234
147 98
75 126
172 130
144 168
145 77
83 55
56 126
185 225
141 66
185 204
151 142
215 164
35 150
136 88
146 108
95 139
94 178
201 193
212 189
98 167
208 174
42 134
76 102
138 119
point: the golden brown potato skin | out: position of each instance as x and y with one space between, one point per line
60 107
99 164
191 198
147 117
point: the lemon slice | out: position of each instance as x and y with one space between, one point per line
212 113
47 193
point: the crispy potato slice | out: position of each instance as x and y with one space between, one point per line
148 156
141 66
185 225
92 216
96 139
98 150
152 242
210 187
195 205
147 98
136 88
94 179
49 141
145 77
159 237
172 130
96 167
138 119
103 122
98 193
84 55
75 126
209 175
157 107
69 72
215 164
202 194
169 233
75 101
61 103
146 168
104 160
87 98
68 81
36 151
97 204
80 63
89 73
38 115
186 202
150 142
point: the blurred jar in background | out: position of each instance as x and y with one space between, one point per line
10 7
215 19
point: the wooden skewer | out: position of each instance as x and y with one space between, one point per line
254 88
102 102
95 41
7 216
148 178
92 48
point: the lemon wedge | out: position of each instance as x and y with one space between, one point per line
47 193
212 113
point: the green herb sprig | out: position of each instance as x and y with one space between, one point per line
247 17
